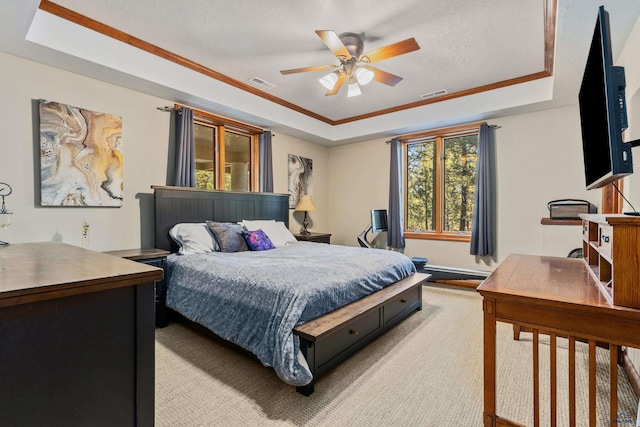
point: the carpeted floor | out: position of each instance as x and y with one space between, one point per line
426 371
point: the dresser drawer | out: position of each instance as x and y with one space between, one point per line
348 336
155 262
400 303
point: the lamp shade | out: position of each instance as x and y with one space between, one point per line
353 89
364 75
329 81
305 204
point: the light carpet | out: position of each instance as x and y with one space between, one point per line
427 371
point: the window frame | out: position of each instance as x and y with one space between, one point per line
437 135
222 125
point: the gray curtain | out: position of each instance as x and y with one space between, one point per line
395 235
266 162
185 174
483 226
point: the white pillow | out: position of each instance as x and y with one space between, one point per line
277 232
193 238
257 224
286 234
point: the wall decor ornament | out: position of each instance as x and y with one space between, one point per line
80 156
300 179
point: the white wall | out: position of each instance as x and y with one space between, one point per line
631 61
539 158
283 145
359 182
145 153
145 145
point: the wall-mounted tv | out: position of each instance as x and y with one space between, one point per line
603 114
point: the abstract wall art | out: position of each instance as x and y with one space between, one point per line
300 178
80 156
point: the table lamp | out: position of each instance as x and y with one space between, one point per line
5 215
305 205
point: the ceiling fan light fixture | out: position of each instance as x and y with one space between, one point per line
354 65
329 81
353 89
364 75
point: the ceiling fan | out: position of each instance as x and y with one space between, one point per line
354 65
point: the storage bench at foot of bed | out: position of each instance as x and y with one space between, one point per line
330 339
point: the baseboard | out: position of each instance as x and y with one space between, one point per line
632 373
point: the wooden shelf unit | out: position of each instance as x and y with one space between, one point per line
611 249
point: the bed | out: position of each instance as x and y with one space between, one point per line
303 327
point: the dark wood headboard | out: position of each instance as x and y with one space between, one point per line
174 205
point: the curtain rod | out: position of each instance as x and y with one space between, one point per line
214 118
490 126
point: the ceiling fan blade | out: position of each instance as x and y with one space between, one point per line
384 77
333 42
305 69
337 86
389 51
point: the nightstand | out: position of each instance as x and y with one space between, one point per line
156 258
314 237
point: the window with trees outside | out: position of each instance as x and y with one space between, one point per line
227 154
440 183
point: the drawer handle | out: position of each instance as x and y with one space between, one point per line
353 332
605 238
404 301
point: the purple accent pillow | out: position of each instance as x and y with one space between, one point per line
228 236
257 240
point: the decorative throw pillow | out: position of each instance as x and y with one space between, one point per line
228 236
257 240
277 232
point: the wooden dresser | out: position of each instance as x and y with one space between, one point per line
76 337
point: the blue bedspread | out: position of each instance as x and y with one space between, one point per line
255 299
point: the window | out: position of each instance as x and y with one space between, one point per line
206 141
226 153
440 183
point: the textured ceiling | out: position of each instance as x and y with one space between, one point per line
464 45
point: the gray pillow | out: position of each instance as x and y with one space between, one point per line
228 236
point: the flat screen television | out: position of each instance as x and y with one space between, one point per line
378 220
603 114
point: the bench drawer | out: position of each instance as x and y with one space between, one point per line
347 336
400 303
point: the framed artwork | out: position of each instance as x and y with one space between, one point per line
300 178
80 156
